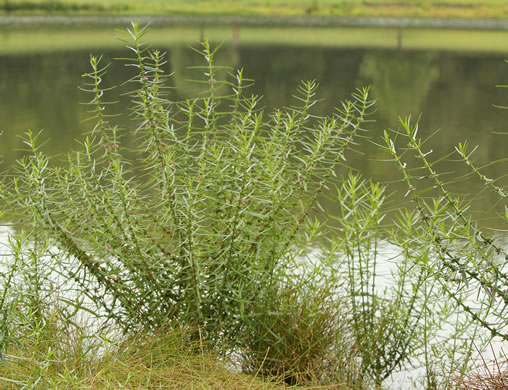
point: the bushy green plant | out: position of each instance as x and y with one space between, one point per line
197 225
467 259
395 311
385 323
465 262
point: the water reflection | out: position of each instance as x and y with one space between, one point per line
454 91
401 80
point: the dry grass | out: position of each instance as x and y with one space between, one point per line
48 354
166 361
493 376
50 357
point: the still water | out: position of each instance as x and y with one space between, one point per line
454 90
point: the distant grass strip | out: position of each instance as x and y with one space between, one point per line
50 40
50 6
494 9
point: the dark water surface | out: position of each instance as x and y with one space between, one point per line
454 92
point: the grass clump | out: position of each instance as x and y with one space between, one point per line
51 356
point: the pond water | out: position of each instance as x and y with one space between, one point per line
454 90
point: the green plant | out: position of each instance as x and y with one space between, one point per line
466 258
384 328
7 304
24 292
389 305
205 219
464 262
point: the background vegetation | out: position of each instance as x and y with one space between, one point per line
33 39
374 8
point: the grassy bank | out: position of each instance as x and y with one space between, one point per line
374 8
61 356
19 41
